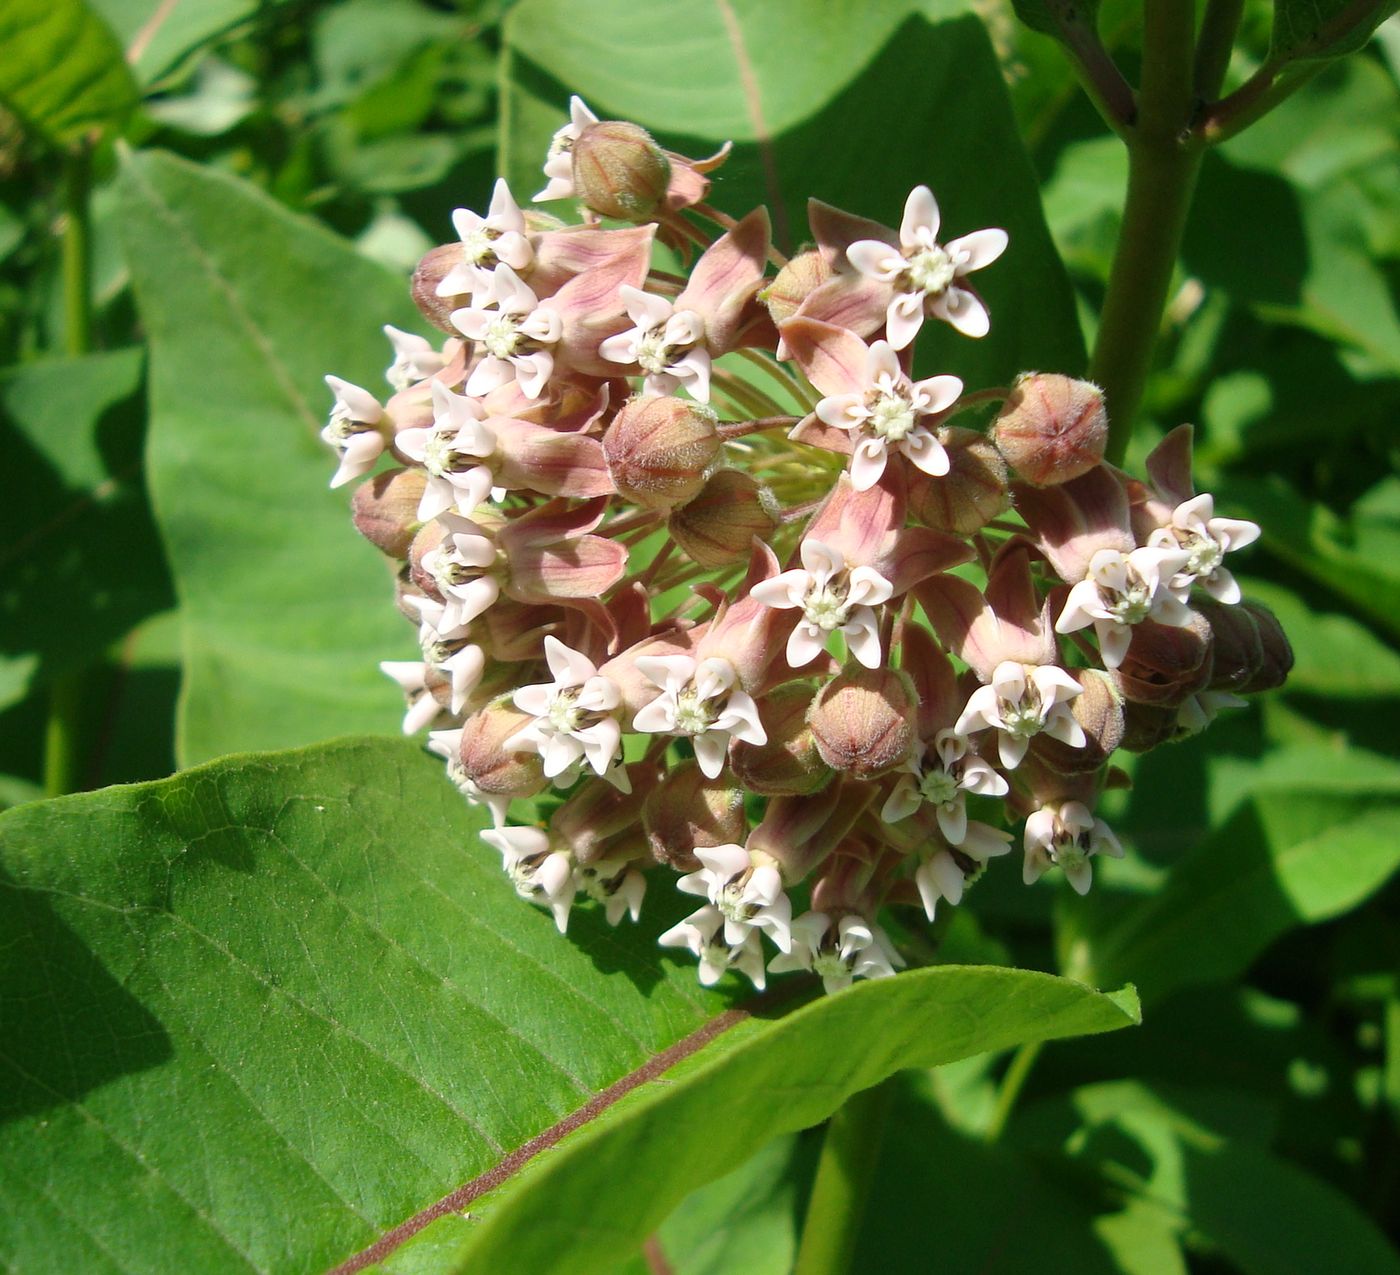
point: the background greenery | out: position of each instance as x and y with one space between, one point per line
254 1016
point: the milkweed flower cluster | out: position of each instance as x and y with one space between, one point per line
710 588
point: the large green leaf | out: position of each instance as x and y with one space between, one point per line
1308 30
61 69
881 99
286 611
159 36
79 557
1288 856
261 1012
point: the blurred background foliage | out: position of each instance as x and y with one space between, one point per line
189 597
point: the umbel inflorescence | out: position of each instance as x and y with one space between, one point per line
705 582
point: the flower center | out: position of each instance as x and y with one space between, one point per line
1205 556
1133 604
891 417
830 964
477 246
731 899
1023 717
938 786
653 353
931 270
693 716
597 886
564 714
502 336
825 606
522 876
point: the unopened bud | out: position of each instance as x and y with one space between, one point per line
686 811
1166 665
717 527
1099 710
970 494
1146 726
596 813
619 171
1237 649
430 272
658 449
1052 428
863 721
1277 660
795 282
385 510
789 763
493 768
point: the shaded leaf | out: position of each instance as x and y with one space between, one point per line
285 610
1306 30
274 1006
61 69
804 126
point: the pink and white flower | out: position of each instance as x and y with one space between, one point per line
460 566
833 598
499 238
451 451
1206 540
1122 590
942 777
747 888
698 702
357 429
515 330
615 883
574 716
1021 701
702 934
540 874
945 872
666 343
840 951
415 358
1067 835
559 164
925 275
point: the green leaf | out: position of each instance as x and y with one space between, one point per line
1287 857
80 560
61 69
161 36
1309 30
285 610
1166 1148
1056 17
805 126
261 1012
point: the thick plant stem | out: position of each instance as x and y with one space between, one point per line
1162 168
63 732
847 1164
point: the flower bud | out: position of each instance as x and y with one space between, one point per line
596 812
1277 660
1238 651
685 811
1145 726
1051 428
619 171
1166 665
863 721
658 449
717 527
971 494
789 762
495 770
799 832
1099 710
796 281
430 272
385 510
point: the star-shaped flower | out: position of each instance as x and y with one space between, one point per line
943 776
698 702
460 567
925 275
1021 701
451 451
356 430
540 875
573 715
515 331
1067 835
415 359
853 947
747 889
615 883
947 870
1122 590
833 599
559 165
702 934
1206 540
497 239
887 414
666 343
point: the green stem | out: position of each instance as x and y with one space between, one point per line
1022 1061
1162 168
1255 98
63 753
1219 26
844 1172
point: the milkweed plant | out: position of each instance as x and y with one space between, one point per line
801 665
